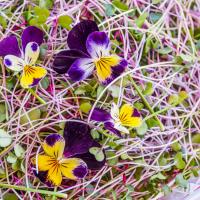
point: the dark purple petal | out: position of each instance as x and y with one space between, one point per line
117 71
100 115
77 137
81 69
9 46
53 138
81 171
110 126
32 34
78 35
90 159
135 113
64 59
98 44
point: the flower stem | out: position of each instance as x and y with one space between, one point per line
146 103
42 101
16 187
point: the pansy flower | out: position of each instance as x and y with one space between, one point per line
89 51
69 155
118 120
24 59
52 165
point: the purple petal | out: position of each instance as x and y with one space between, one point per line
81 171
90 159
100 115
78 35
81 69
116 71
98 44
77 138
110 126
53 138
135 113
9 46
32 34
64 59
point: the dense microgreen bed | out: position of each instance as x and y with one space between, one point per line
159 42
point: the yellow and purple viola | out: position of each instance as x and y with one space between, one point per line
68 156
118 119
24 59
89 52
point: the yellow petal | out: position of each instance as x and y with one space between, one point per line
103 66
54 175
54 145
126 116
31 76
44 162
73 168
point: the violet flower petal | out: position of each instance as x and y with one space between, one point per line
64 59
110 126
100 115
9 46
78 35
32 34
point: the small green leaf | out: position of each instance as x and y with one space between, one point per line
80 90
65 21
11 158
124 156
32 115
139 105
3 22
2 112
45 82
148 89
196 138
141 19
130 188
85 107
111 161
179 162
95 134
158 176
182 95
10 196
186 58
109 10
173 99
164 51
120 5
154 17
89 189
181 181
100 90
98 153
176 146
41 12
19 151
156 1
5 138
2 173
152 122
142 129
48 4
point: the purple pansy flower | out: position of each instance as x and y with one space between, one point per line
118 119
67 156
24 59
89 51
